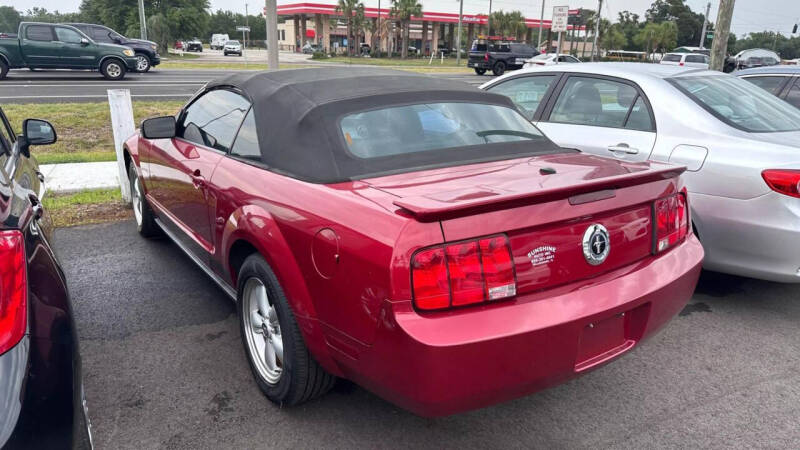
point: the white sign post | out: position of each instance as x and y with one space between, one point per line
119 100
244 40
559 25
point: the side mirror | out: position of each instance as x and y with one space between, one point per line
84 41
38 132
159 128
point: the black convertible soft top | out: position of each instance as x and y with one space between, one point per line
297 115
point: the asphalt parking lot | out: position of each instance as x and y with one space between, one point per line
164 368
58 86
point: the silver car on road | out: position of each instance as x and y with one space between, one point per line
741 147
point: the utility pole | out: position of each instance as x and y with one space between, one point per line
142 21
458 35
705 24
489 21
597 30
271 10
719 47
378 31
246 23
541 23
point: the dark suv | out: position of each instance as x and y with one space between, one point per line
498 56
146 51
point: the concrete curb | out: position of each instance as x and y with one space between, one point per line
73 177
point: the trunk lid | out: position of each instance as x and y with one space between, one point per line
545 205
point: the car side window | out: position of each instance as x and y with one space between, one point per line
42 33
526 92
793 97
639 118
596 102
101 34
67 35
770 84
212 119
246 143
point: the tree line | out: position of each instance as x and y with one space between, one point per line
667 24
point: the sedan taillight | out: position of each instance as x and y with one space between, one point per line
783 181
463 273
13 289
671 220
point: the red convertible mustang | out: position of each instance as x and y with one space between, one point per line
414 235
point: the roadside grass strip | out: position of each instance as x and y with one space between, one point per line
86 207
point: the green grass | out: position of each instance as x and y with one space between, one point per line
92 196
84 129
74 157
178 57
86 207
258 66
411 62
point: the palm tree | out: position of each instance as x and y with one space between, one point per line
402 11
353 11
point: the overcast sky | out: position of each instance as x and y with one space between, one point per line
749 15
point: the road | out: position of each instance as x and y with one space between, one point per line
164 367
59 86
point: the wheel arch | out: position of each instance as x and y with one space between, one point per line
250 230
107 57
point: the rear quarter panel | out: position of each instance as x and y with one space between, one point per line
10 52
332 247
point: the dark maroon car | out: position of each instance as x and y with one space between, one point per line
41 390
418 236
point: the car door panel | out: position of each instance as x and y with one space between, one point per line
178 170
605 116
75 53
40 47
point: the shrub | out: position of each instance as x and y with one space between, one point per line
319 55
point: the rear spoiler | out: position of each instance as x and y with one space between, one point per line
426 209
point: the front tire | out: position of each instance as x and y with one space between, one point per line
499 68
145 219
480 71
113 69
284 370
143 63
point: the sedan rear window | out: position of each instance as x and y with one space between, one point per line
737 103
433 126
672 58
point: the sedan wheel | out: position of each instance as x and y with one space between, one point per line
262 331
279 359
145 220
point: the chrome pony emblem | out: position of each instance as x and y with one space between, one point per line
596 244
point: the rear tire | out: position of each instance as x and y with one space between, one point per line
113 69
480 71
283 368
499 68
145 219
3 69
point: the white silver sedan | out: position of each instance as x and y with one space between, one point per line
741 147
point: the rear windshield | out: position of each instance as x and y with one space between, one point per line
431 127
672 58
739 104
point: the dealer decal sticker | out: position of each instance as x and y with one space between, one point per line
542 255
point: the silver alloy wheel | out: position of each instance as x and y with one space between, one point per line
262 331
142 64
113 70
137 200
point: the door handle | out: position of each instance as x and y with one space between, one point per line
197 179
623 148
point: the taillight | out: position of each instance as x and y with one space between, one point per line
463 273
486 56
13 289
680 63
783 181
671 220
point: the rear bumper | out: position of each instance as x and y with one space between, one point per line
479 65
459 360
758 237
